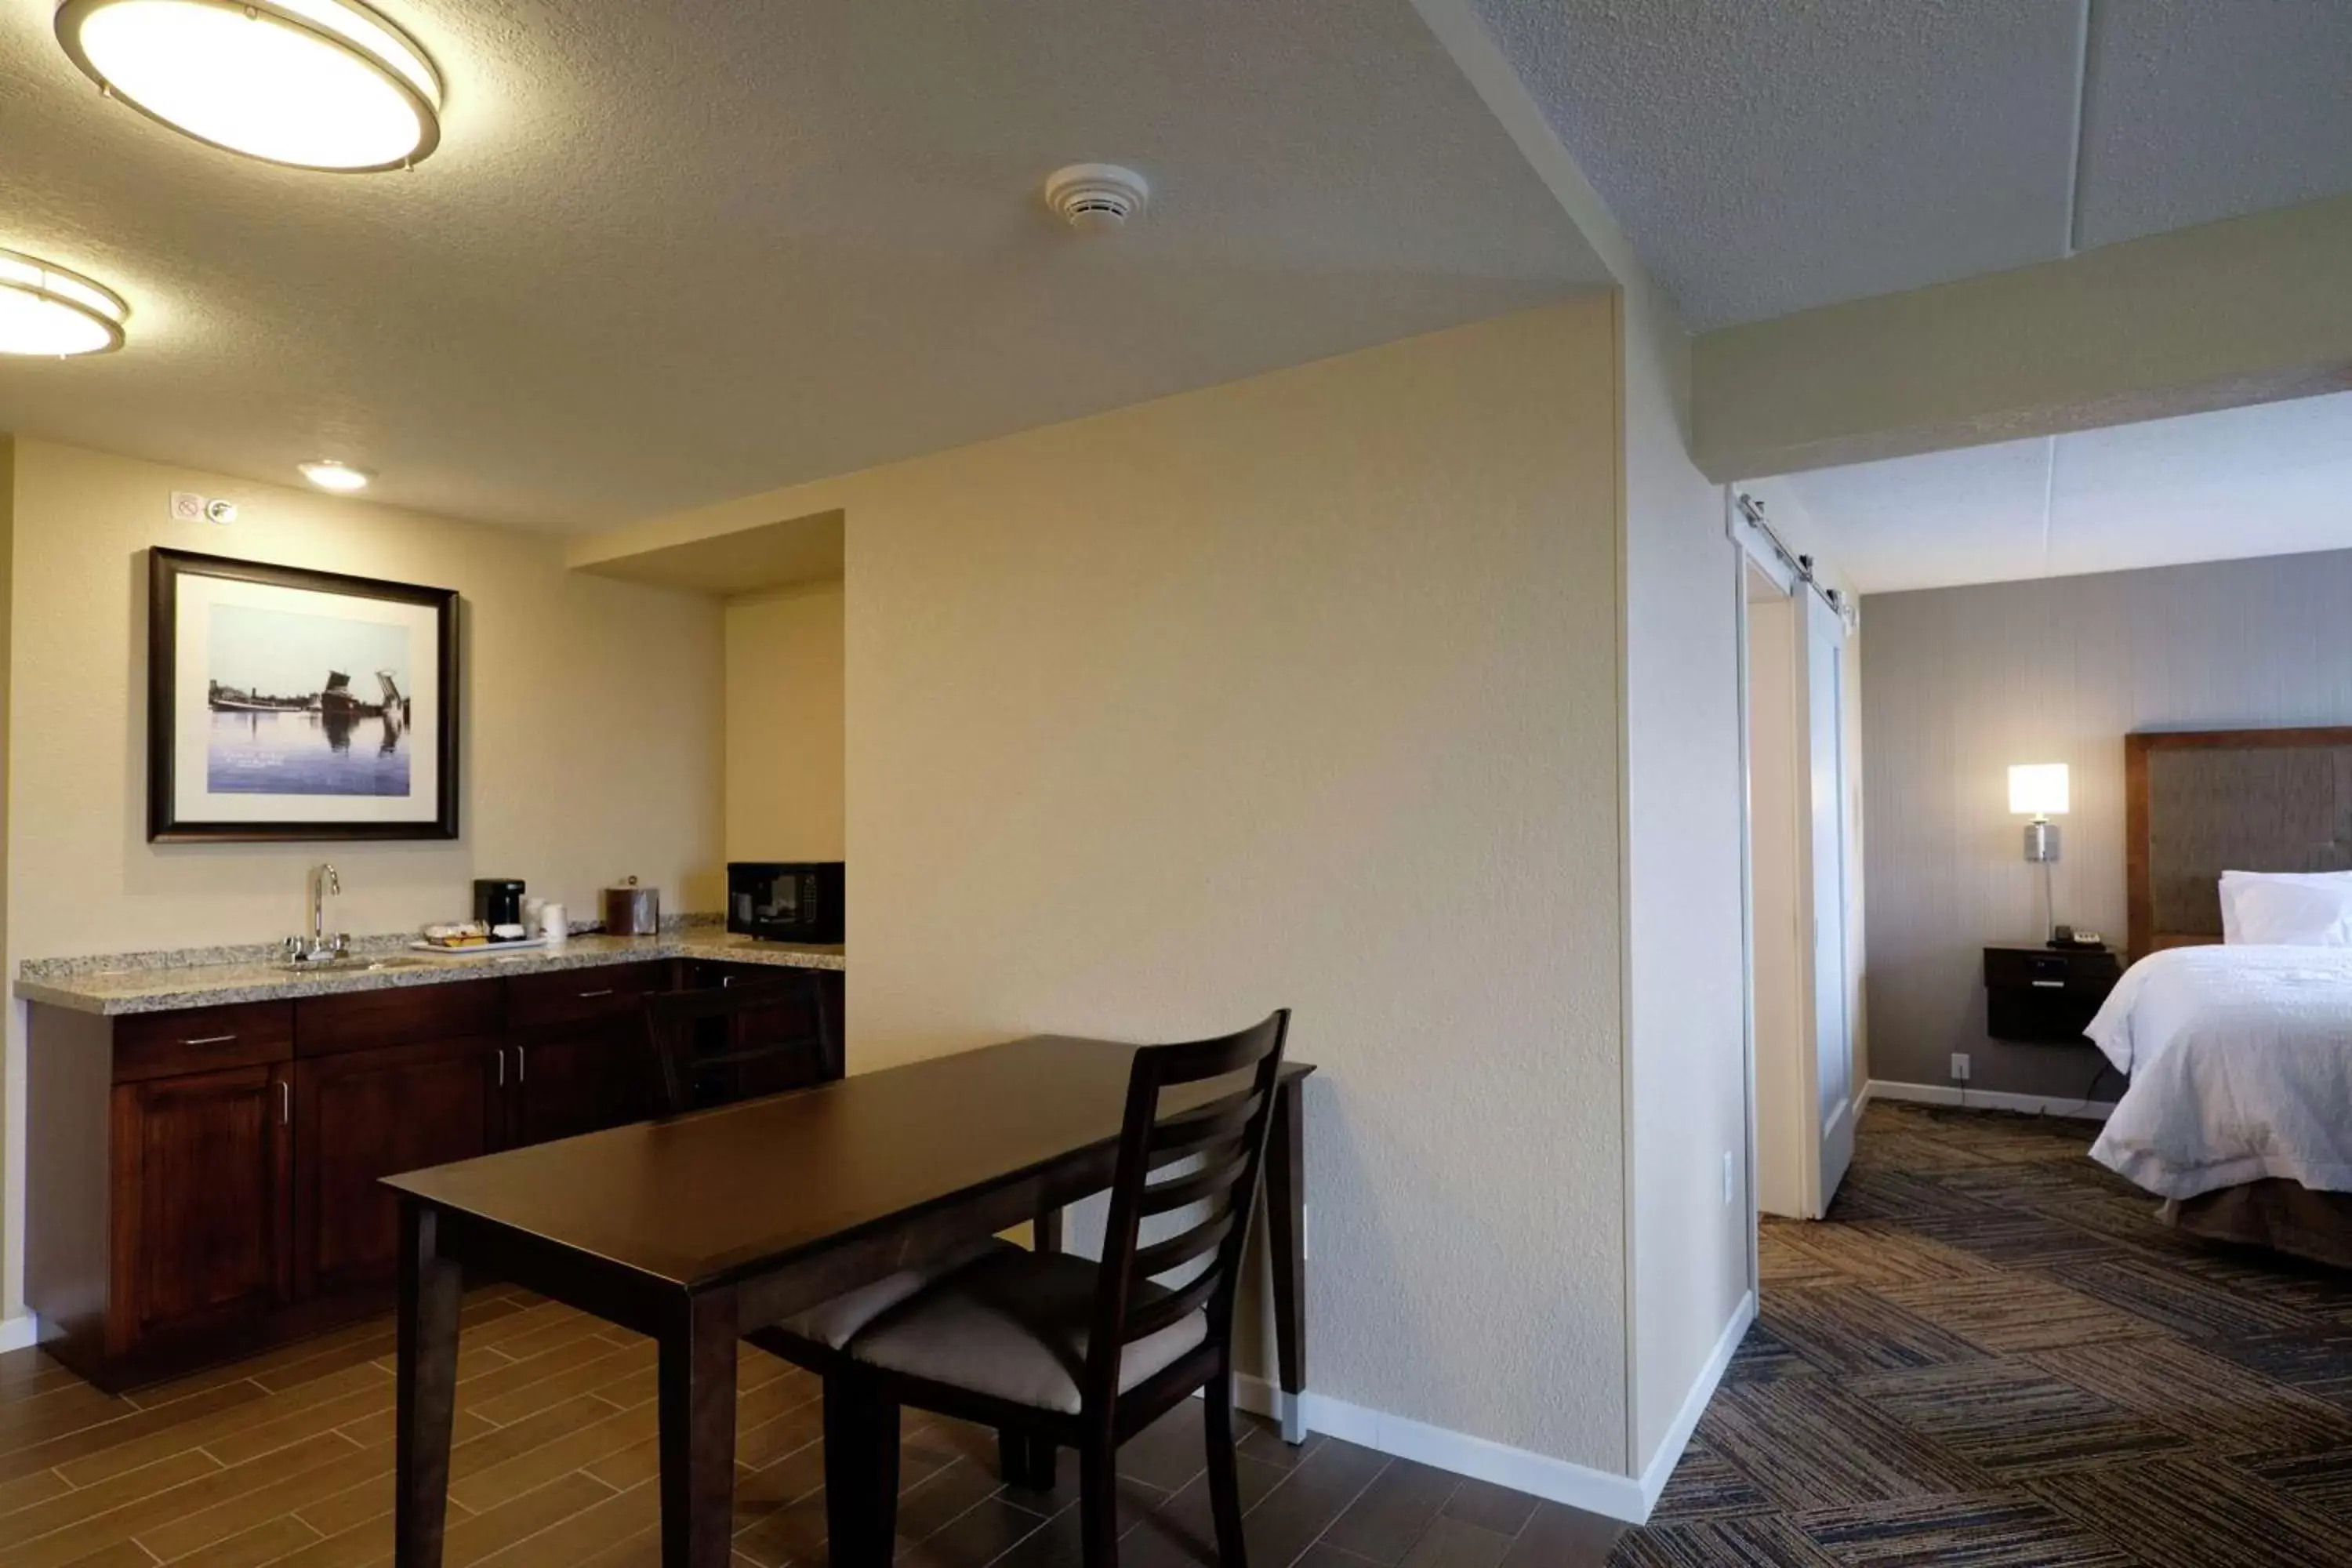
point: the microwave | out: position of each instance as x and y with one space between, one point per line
781 902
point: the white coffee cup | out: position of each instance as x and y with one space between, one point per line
551 924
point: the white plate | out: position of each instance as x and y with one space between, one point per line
479 947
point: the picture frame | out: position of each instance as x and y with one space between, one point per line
285 704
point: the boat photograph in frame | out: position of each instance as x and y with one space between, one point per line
290 704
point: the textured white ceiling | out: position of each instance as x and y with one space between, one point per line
2272 479
1768 157
2200 110
675 252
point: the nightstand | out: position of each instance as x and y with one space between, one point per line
2045 995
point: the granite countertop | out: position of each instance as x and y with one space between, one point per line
212 977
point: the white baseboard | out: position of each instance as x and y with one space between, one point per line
1480 1458
20 1332
1986 1099
1660 1468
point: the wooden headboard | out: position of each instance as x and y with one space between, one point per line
2200 802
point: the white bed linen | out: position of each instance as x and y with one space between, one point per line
2241 1063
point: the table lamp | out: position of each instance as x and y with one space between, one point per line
2039 790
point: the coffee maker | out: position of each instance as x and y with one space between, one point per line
498 901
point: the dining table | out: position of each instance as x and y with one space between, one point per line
699 1229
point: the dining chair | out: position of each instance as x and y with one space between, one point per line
1057 1351
713 1047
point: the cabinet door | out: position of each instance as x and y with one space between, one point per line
365 1115
570 1081
200 1187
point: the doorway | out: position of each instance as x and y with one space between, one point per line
1797 847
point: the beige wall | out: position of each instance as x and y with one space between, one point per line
1686 1012
784 700
1298 690
591 723
1964 681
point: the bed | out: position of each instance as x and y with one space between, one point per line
2238 1113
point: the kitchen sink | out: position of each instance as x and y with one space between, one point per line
351 966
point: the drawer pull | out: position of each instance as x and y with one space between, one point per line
591 995
521 1059
2051 985
210 1040
502 1066
285 1103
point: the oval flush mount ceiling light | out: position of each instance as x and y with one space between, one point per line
332 474
46 310
316 84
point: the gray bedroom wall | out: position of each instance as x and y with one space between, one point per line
1962 682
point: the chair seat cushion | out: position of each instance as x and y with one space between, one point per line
1015 1327
836 1322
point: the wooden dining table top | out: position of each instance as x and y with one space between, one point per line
700 1199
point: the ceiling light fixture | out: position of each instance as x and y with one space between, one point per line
317 84
333 473
46 310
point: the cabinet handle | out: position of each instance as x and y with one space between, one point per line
2051 985
502 1066
521 1062
285 1103
591 995
210 1040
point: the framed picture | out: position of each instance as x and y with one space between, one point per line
286 704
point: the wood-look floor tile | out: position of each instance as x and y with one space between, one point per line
1394 1512
259 1490
586 1534
1450 1543
109 1495
473 1539
1560 1537
264 1543
141 1436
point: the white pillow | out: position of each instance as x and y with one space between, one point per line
2290 912
2232 882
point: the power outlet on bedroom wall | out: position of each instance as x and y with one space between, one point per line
1959 1066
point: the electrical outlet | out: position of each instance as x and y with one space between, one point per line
1959 1066
1727 1176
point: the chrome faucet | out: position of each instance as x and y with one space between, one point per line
317 946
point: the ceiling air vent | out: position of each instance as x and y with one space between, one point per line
1096 199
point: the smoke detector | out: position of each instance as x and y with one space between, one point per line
1096 198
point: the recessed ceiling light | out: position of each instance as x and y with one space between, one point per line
46 310
319 84
328 474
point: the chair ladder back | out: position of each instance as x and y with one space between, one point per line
1221 1141
675 1025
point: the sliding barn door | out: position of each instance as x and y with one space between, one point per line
1830 1029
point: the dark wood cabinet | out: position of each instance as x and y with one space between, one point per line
361 1116
202 1165
206 1181
567 1081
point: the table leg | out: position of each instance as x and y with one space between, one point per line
425 1387
697 1431
1286 1213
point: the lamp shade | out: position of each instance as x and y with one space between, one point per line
2038 789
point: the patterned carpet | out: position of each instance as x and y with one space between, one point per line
1992 1354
